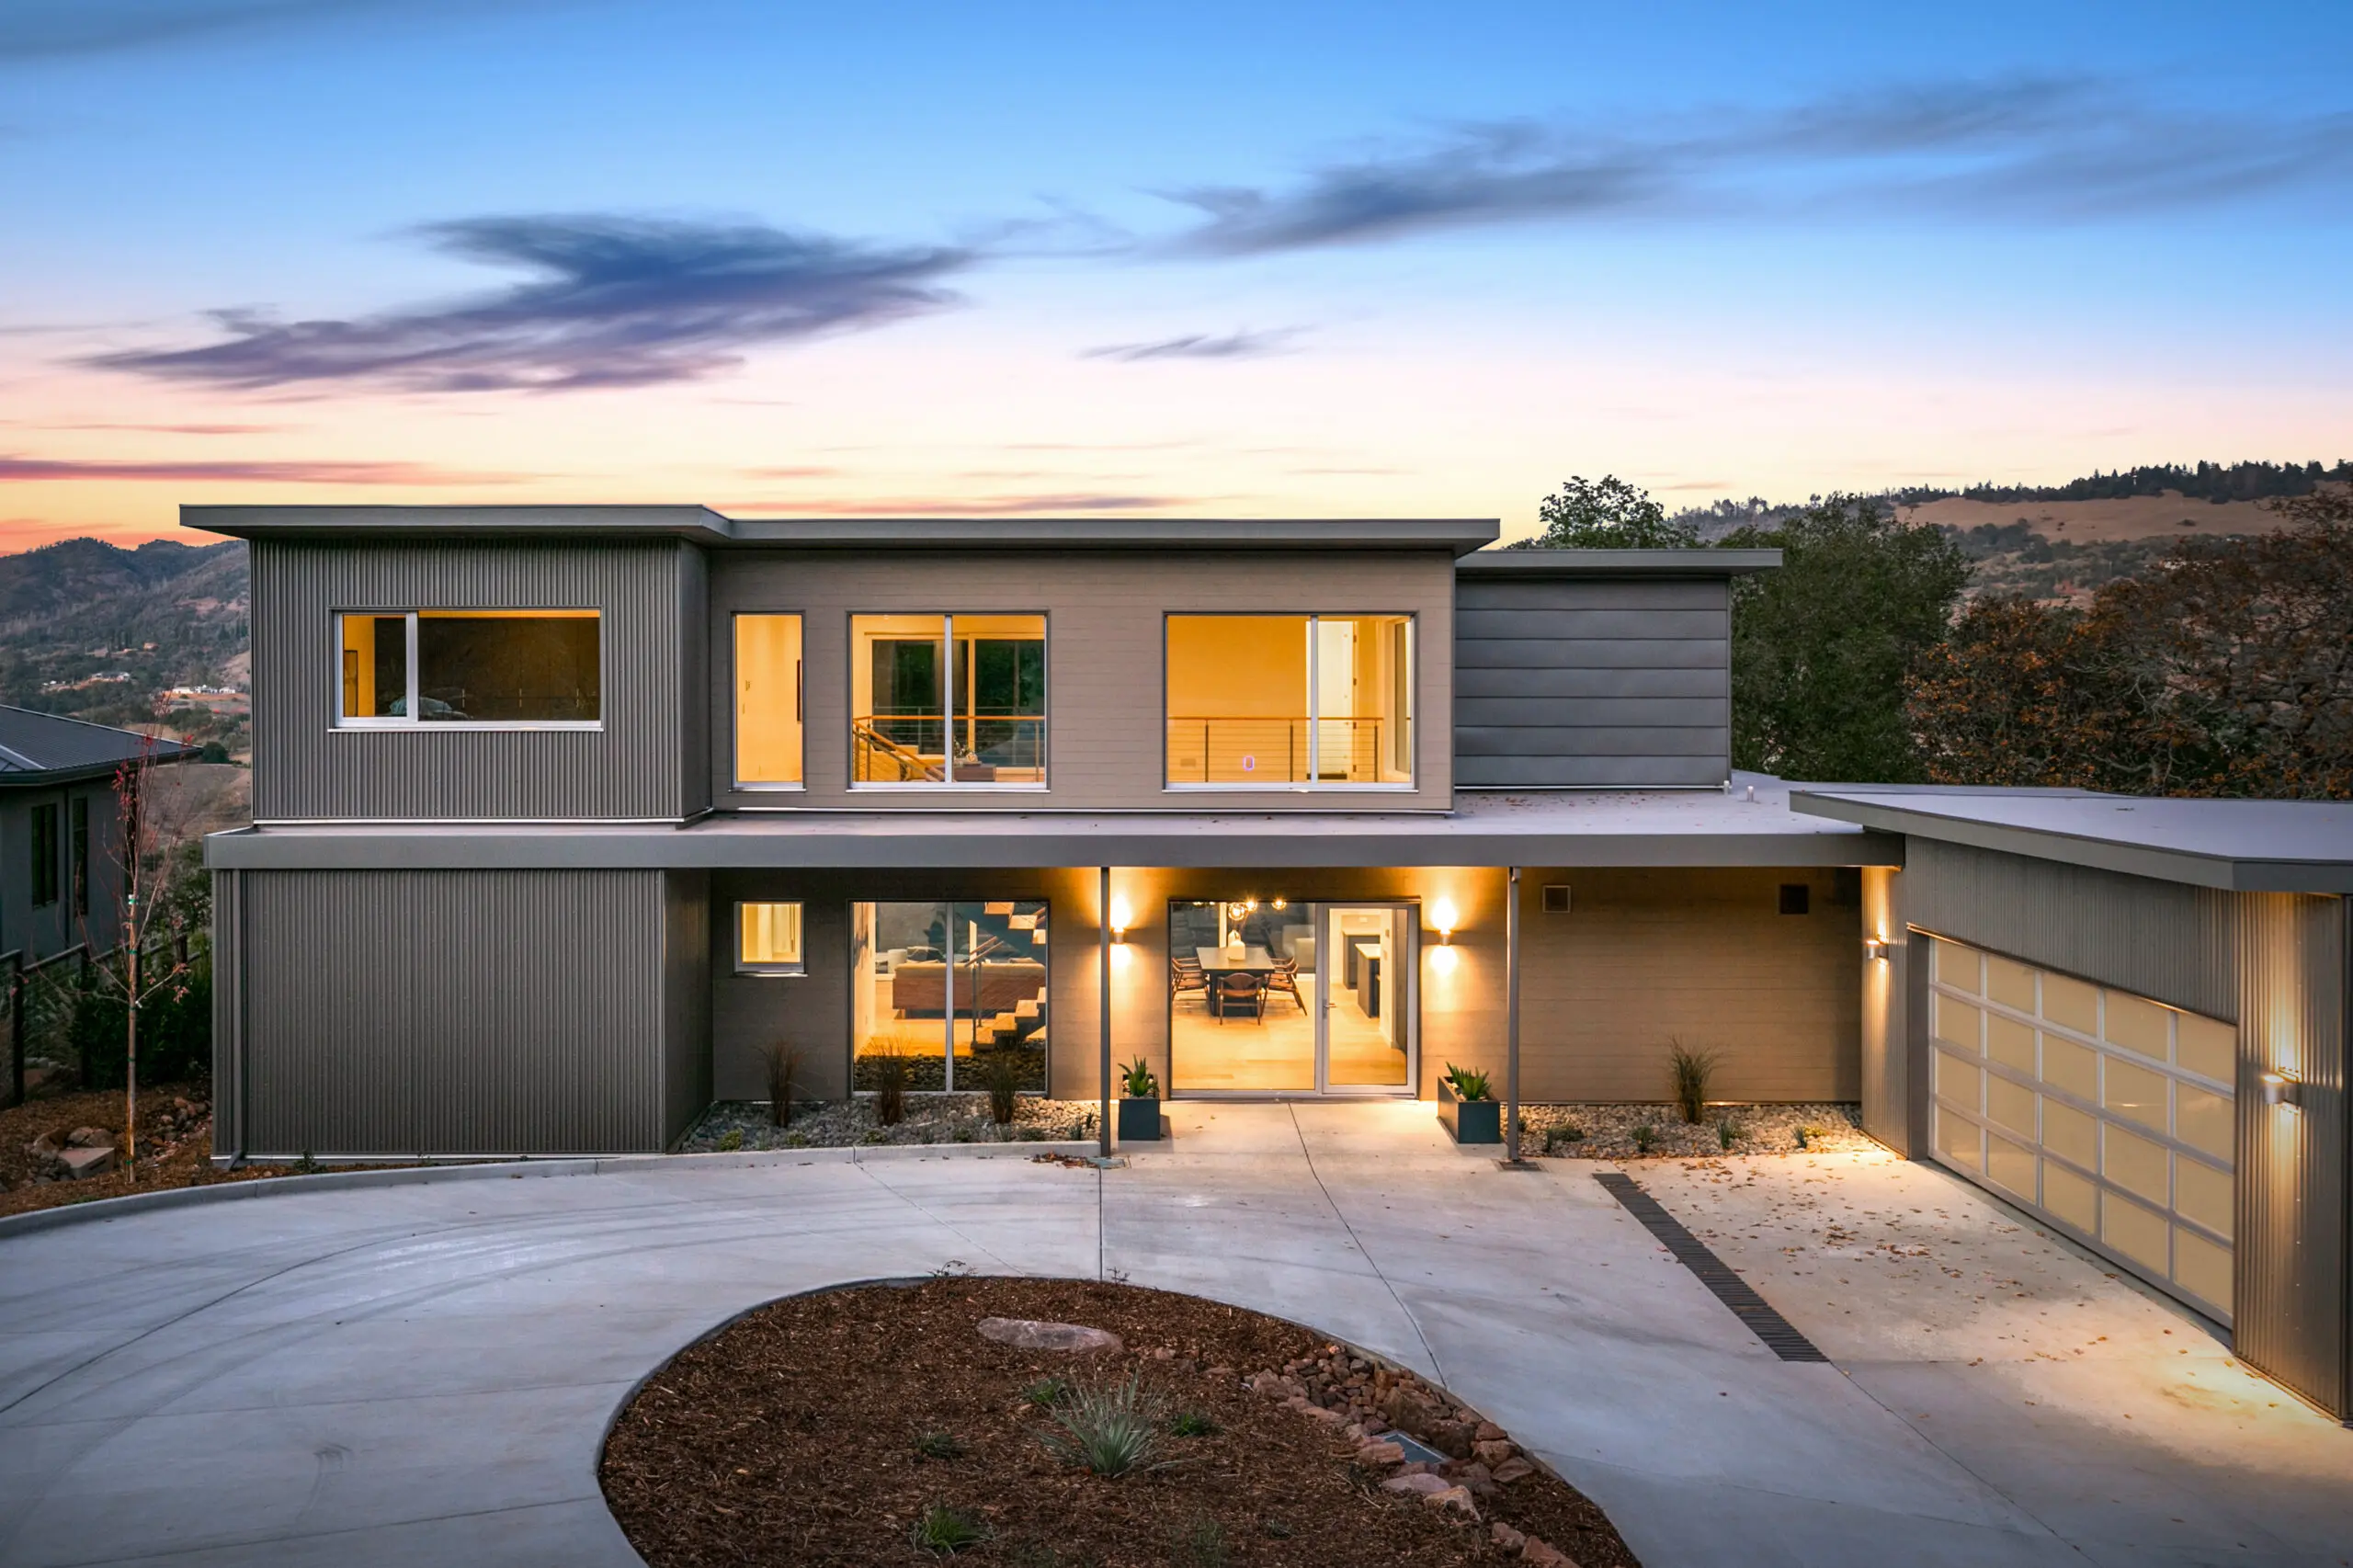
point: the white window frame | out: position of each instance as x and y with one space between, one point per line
409 721
950 784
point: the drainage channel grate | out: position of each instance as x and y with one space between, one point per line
1729 1289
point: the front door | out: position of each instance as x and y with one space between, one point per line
1274 997
1366 1002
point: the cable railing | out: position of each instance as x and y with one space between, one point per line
1230 749
908 748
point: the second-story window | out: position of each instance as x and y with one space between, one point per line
506 668
1290 701
767 701
939 700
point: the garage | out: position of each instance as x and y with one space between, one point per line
2106 1114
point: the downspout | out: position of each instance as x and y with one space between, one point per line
1103 1002
1511 1019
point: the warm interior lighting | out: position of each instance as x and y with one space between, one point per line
1445 916
2283 1088
1122 916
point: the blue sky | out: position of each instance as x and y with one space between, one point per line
1286 261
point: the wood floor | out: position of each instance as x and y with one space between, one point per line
1279 1055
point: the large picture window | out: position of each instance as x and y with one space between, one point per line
472 667
949 995
767 701
1296 701
767 939
939 699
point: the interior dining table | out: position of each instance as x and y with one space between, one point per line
1225 960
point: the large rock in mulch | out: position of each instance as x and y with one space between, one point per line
1025 1334
1419 1484
81 1164
89 1138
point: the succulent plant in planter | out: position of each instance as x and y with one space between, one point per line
1139 1103
1467 1107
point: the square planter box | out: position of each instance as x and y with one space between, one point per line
1470 1122
1140 1121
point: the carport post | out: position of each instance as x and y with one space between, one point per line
1511 1019
1103 1001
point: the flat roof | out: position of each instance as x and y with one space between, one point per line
2240 846
1459 536
1599 828
1696 562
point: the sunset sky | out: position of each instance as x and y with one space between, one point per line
1255 259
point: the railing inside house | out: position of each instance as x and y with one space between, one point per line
889 749
1224 749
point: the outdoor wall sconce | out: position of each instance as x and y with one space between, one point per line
1443 959
1876 946
1445 916
2283 1089
1122 916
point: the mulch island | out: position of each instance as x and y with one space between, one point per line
881 1425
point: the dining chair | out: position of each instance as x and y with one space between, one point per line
1284 979
1240 992
1187 974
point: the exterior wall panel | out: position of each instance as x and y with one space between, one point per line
685 1000
405 1013
1645 958
1593 685
2293 1220
307 769
1885 1076
1104 652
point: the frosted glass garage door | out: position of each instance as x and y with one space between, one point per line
2107 1112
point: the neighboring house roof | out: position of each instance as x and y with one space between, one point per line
704 526
2242 845
46 748
1488 827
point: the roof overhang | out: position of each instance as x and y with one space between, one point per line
1456 535
906 840
2302 847
1532 564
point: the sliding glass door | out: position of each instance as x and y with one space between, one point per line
1274 997
955 991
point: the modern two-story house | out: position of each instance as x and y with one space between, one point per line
566 816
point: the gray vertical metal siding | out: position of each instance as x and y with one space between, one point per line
228 1012
2163 940
634 766
685 985
2291 1309
454 1012
696 698
1564 684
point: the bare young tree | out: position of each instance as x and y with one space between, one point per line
149 855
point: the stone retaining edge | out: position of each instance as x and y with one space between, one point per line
137 1203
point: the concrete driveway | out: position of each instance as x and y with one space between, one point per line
424 1373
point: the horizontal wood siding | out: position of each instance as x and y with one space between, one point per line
635 767
1591 685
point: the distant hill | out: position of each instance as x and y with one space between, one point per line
94 631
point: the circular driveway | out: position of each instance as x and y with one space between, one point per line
424 1372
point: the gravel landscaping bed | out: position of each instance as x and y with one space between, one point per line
930 1119
894 1425
1608 1131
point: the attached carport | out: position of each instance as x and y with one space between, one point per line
2128 1017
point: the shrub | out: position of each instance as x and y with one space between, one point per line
1110 1430
1193 1423
1001 1075
730 1141
1644 1136
1690 1072
890 1088
944 1531
1138 1083
1199 1543
1467 1084
1727 1132
1567 1132
784 1074
1046 1392
939 1446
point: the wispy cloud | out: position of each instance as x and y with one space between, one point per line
960 505
38 29
2018 149
31 470
788 472
157 429
1245 345
617 303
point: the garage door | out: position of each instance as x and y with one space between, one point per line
2106 1112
